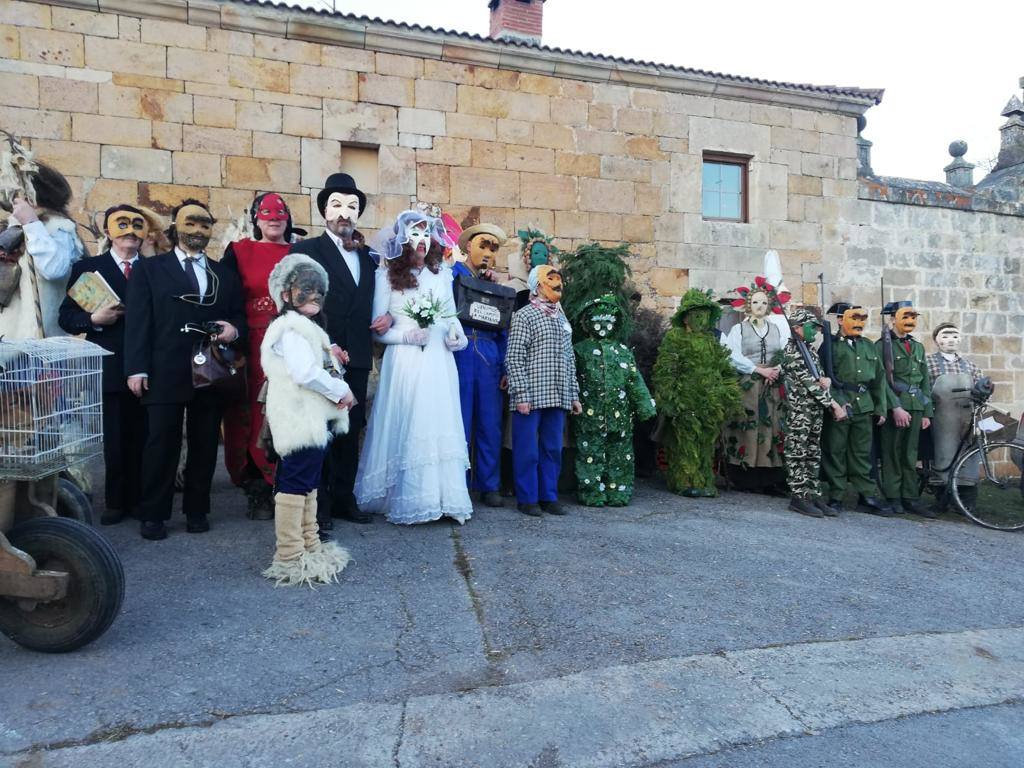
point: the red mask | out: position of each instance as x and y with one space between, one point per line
272 208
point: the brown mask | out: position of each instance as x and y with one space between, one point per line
549 283
482 250
905 321
852 322
194 226
123 223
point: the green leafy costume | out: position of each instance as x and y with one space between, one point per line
697 391
612 393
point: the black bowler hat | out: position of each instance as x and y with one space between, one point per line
892 306
344 184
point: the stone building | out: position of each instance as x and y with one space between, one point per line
700 172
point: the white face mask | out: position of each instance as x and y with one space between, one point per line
758 305
417 236
342 206
948 340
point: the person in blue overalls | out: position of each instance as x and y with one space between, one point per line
481 370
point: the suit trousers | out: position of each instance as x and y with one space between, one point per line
342 460
201 418
124 436
537 454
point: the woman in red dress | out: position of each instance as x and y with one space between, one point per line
253 259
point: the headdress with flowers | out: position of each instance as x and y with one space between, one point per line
776 298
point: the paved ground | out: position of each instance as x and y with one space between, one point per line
675 632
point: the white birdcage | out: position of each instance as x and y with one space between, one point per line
51 405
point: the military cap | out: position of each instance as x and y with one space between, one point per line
892 306
841 306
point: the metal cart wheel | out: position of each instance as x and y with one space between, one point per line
72 502
95 588
988 486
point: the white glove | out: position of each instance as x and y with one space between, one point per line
456 339
417 336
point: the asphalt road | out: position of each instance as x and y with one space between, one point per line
672 632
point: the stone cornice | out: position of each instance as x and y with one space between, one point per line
390 37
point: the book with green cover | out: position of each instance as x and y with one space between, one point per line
91 292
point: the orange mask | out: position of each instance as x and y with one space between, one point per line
549 283
123 223
905 321
852 322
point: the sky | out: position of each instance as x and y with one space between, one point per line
947 70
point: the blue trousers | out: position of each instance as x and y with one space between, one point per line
479 367
299 471
537 454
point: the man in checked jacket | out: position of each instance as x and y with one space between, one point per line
542 387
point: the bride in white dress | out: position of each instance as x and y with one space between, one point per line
414 459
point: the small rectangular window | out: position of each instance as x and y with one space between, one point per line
724 187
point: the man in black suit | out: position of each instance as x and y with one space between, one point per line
341 250
123 417
165 293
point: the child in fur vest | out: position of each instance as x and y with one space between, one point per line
307 403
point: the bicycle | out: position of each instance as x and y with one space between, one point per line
986 478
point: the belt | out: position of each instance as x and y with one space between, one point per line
261 304
859 389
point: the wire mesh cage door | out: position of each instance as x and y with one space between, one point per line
51 405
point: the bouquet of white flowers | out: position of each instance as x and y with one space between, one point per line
426 309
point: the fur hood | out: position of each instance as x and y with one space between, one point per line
282 274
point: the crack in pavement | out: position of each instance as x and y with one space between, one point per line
396 756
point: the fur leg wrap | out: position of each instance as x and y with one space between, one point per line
293 562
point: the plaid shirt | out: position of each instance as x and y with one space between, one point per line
540 362
938 365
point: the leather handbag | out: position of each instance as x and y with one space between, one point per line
218 367
482 304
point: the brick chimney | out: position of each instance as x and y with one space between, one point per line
519 20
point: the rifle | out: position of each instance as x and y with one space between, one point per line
825 350
887 359
801 345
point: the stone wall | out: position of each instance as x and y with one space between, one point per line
154 110
956 265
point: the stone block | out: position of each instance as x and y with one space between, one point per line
499 103
729 109
616 95
415 140
433 94
397 169
163 198
399 66
645 147
196 168
637 228
541 84
553 136
71 157
147 82
600 142
322 81
258 116
298 121
488 77
671 125
488 154
46 46
166 135
208 110
812 164
685 183
283 49
129 29
104 129
688 104
259 173
531 159
840 146
20 91
131 58
107 192
841 125
768 191
433 183
804 185
448 71
514 131
447 151
64 95
795 138
198 66
625 169
669 228
576 164
651 199
601 117
716 135
266 75
229 41
360 123
547 191
351 59
479 186
384 89
84 22
790 235
569 111
642 98
173 33
10 45
215 141
669 281
320 158
768 114
606 226
25 14
288 99
32 68
604 195
847 168
428 122
275 146
135 163
569 223
470 126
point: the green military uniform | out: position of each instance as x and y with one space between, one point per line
803 410
859 382
912 392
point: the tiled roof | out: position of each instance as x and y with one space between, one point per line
873 95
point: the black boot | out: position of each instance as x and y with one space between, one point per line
873 505
552 507
492 499
941 500
915 507
968 496
532 510
804 507
829 508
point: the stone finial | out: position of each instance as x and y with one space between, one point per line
1011 134
863 149
959 173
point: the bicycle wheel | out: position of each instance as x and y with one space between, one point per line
988 486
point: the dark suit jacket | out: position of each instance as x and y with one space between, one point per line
75 320
154 343
348 306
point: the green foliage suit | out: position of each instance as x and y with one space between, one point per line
612 393
697 391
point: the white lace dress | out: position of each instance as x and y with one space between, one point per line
414 459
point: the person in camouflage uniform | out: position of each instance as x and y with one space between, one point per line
803 411
612 393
